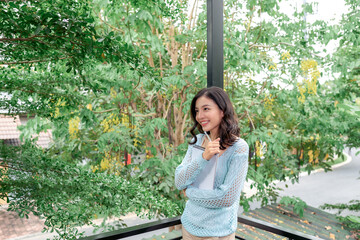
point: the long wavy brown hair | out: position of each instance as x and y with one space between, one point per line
229 130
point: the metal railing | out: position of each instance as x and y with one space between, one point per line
152 226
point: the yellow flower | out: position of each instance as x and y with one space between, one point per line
89 106
302 90
269 101
113 93
59 103
258 148
285 56
109 123
94 168
56 113
311 156
311 74
74 127
357 101
104 164
273 66
317 153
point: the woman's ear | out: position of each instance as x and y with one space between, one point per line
222 114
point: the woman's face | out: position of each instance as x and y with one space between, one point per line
208 115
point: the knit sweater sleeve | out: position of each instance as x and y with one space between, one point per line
189 169
227 193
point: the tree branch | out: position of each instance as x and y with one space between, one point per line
108 110
145 115
168 108
249 25
32 91
264 46
247 113
29 38
201 51
280 43
260 29
32 61
253 102
191 14
112 27
258 36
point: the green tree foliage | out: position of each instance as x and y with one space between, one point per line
297 203
67 195
351 221
289 118
346 61
115 77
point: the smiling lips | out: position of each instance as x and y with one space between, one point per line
204 123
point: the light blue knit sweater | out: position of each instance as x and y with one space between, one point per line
213 213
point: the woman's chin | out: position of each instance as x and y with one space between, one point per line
206 129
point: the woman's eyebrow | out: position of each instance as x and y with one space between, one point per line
206 105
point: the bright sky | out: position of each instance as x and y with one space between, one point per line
326 10
330 11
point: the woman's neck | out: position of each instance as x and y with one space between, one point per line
214 135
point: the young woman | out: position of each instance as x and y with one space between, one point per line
212 214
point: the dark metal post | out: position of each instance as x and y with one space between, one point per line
215 43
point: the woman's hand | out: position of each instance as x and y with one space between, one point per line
211 149
183 192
